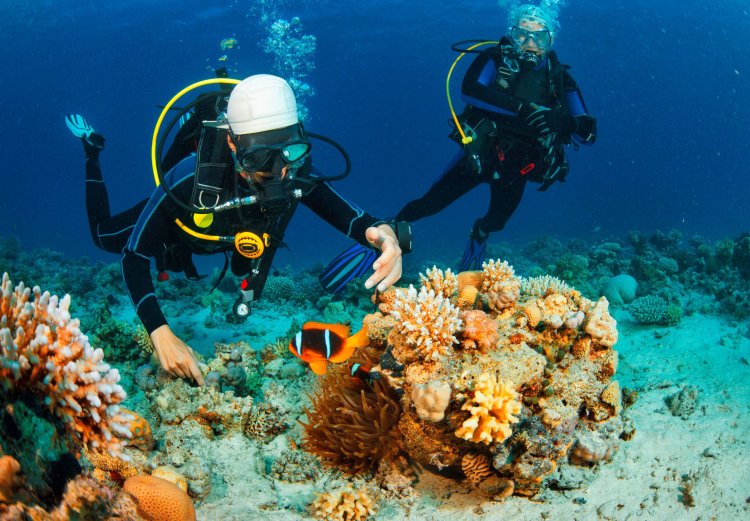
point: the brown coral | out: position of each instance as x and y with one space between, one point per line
159 500
476 467
351 425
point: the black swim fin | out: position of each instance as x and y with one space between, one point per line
348 265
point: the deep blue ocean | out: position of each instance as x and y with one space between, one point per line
668 81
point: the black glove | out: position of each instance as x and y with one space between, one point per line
546 121
93 143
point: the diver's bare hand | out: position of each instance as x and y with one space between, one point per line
388 265
175 356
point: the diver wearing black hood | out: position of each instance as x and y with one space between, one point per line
523 107
263 144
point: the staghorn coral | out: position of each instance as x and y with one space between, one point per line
431 400
42 350
159 500
427 321
441 282
344 505
351 425
492 406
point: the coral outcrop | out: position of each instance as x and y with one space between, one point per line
43 352
540 385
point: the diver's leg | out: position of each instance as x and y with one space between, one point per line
505 196
110 233
456 180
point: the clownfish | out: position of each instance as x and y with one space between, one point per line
363 373
318 343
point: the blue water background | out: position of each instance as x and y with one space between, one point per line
668 82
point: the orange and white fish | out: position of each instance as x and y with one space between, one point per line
318 343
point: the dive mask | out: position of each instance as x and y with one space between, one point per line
542 39
260 158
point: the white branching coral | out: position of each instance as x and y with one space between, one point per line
540 286
500 284
443 283
492 409
42 350
428 321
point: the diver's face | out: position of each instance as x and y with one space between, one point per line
266 155
532 37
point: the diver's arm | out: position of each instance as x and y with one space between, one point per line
585 131
479 89
155 228
339 212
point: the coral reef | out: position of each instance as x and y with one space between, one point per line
43 351
526 397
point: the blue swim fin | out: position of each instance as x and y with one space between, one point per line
349 264
476 247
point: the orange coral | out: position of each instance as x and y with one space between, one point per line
9 467
106 465
469 278
479 331
159 500
492 408
468 297
140 430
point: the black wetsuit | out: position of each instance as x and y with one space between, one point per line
148 230
496 87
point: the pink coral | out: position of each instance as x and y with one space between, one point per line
42 350
479 331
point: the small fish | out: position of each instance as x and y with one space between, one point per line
363 372
318 343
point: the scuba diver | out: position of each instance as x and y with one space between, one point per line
523 107
232 186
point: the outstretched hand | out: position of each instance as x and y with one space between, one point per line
388 265
175 356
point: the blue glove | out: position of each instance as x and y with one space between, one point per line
546 121
93 143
